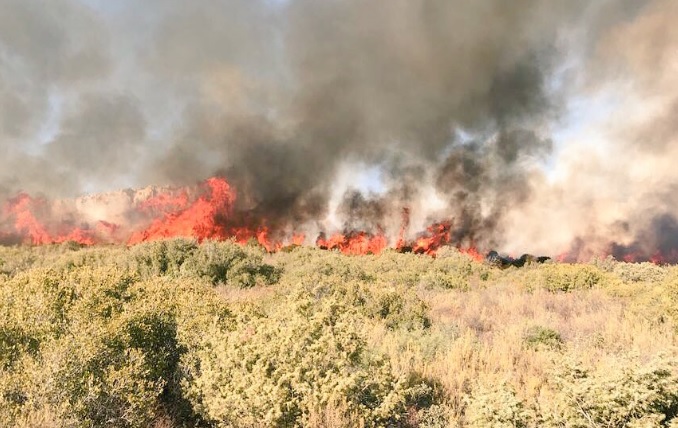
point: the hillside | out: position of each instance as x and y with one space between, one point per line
173 334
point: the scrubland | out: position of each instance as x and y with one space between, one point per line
175 334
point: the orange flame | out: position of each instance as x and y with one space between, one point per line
204 212
354 243
197 219
20 212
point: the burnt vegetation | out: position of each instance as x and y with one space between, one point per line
493 258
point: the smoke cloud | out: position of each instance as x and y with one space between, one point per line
530 126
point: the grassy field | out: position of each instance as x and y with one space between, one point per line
173 334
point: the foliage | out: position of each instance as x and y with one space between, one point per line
623 392
278 370
179 333
218 262
568 277
538 336
496 406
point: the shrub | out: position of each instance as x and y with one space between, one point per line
394 307
438 278
14 342
215 262
624 392
279 370
436 416
94 378
164 257
496 405
400 309
566 277
230 263
94 347
538 336
639 272
115 336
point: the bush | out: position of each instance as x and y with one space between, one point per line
639 272
400 309
165 257
567 277
538 336
279 370
624 392
14 342
497 406
215 262
96 347
128 337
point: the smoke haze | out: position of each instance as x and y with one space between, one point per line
532 126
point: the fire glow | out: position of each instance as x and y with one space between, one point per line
206 212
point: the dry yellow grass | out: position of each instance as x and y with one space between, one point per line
244 295
480 334
220 335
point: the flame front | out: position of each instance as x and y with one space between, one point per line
357 242
21 222
197 219
206 211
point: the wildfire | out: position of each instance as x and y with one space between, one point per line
206 211
354 242
23 212
180 218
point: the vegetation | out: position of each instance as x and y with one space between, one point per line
179 334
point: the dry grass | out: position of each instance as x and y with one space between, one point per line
478 336
410 341
257 293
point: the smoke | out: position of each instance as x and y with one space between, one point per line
457 103
614 179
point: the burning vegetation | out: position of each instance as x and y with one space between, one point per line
205 212
209 211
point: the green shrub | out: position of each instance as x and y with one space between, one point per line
229 263
605 264
164 257
436 416
400 309
639 272
95 377
216 262
538 336
14 342
567 277
437 278
625 392
496 405
395 307
279 370
131 337
96 347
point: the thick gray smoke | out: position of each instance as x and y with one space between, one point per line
455 102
